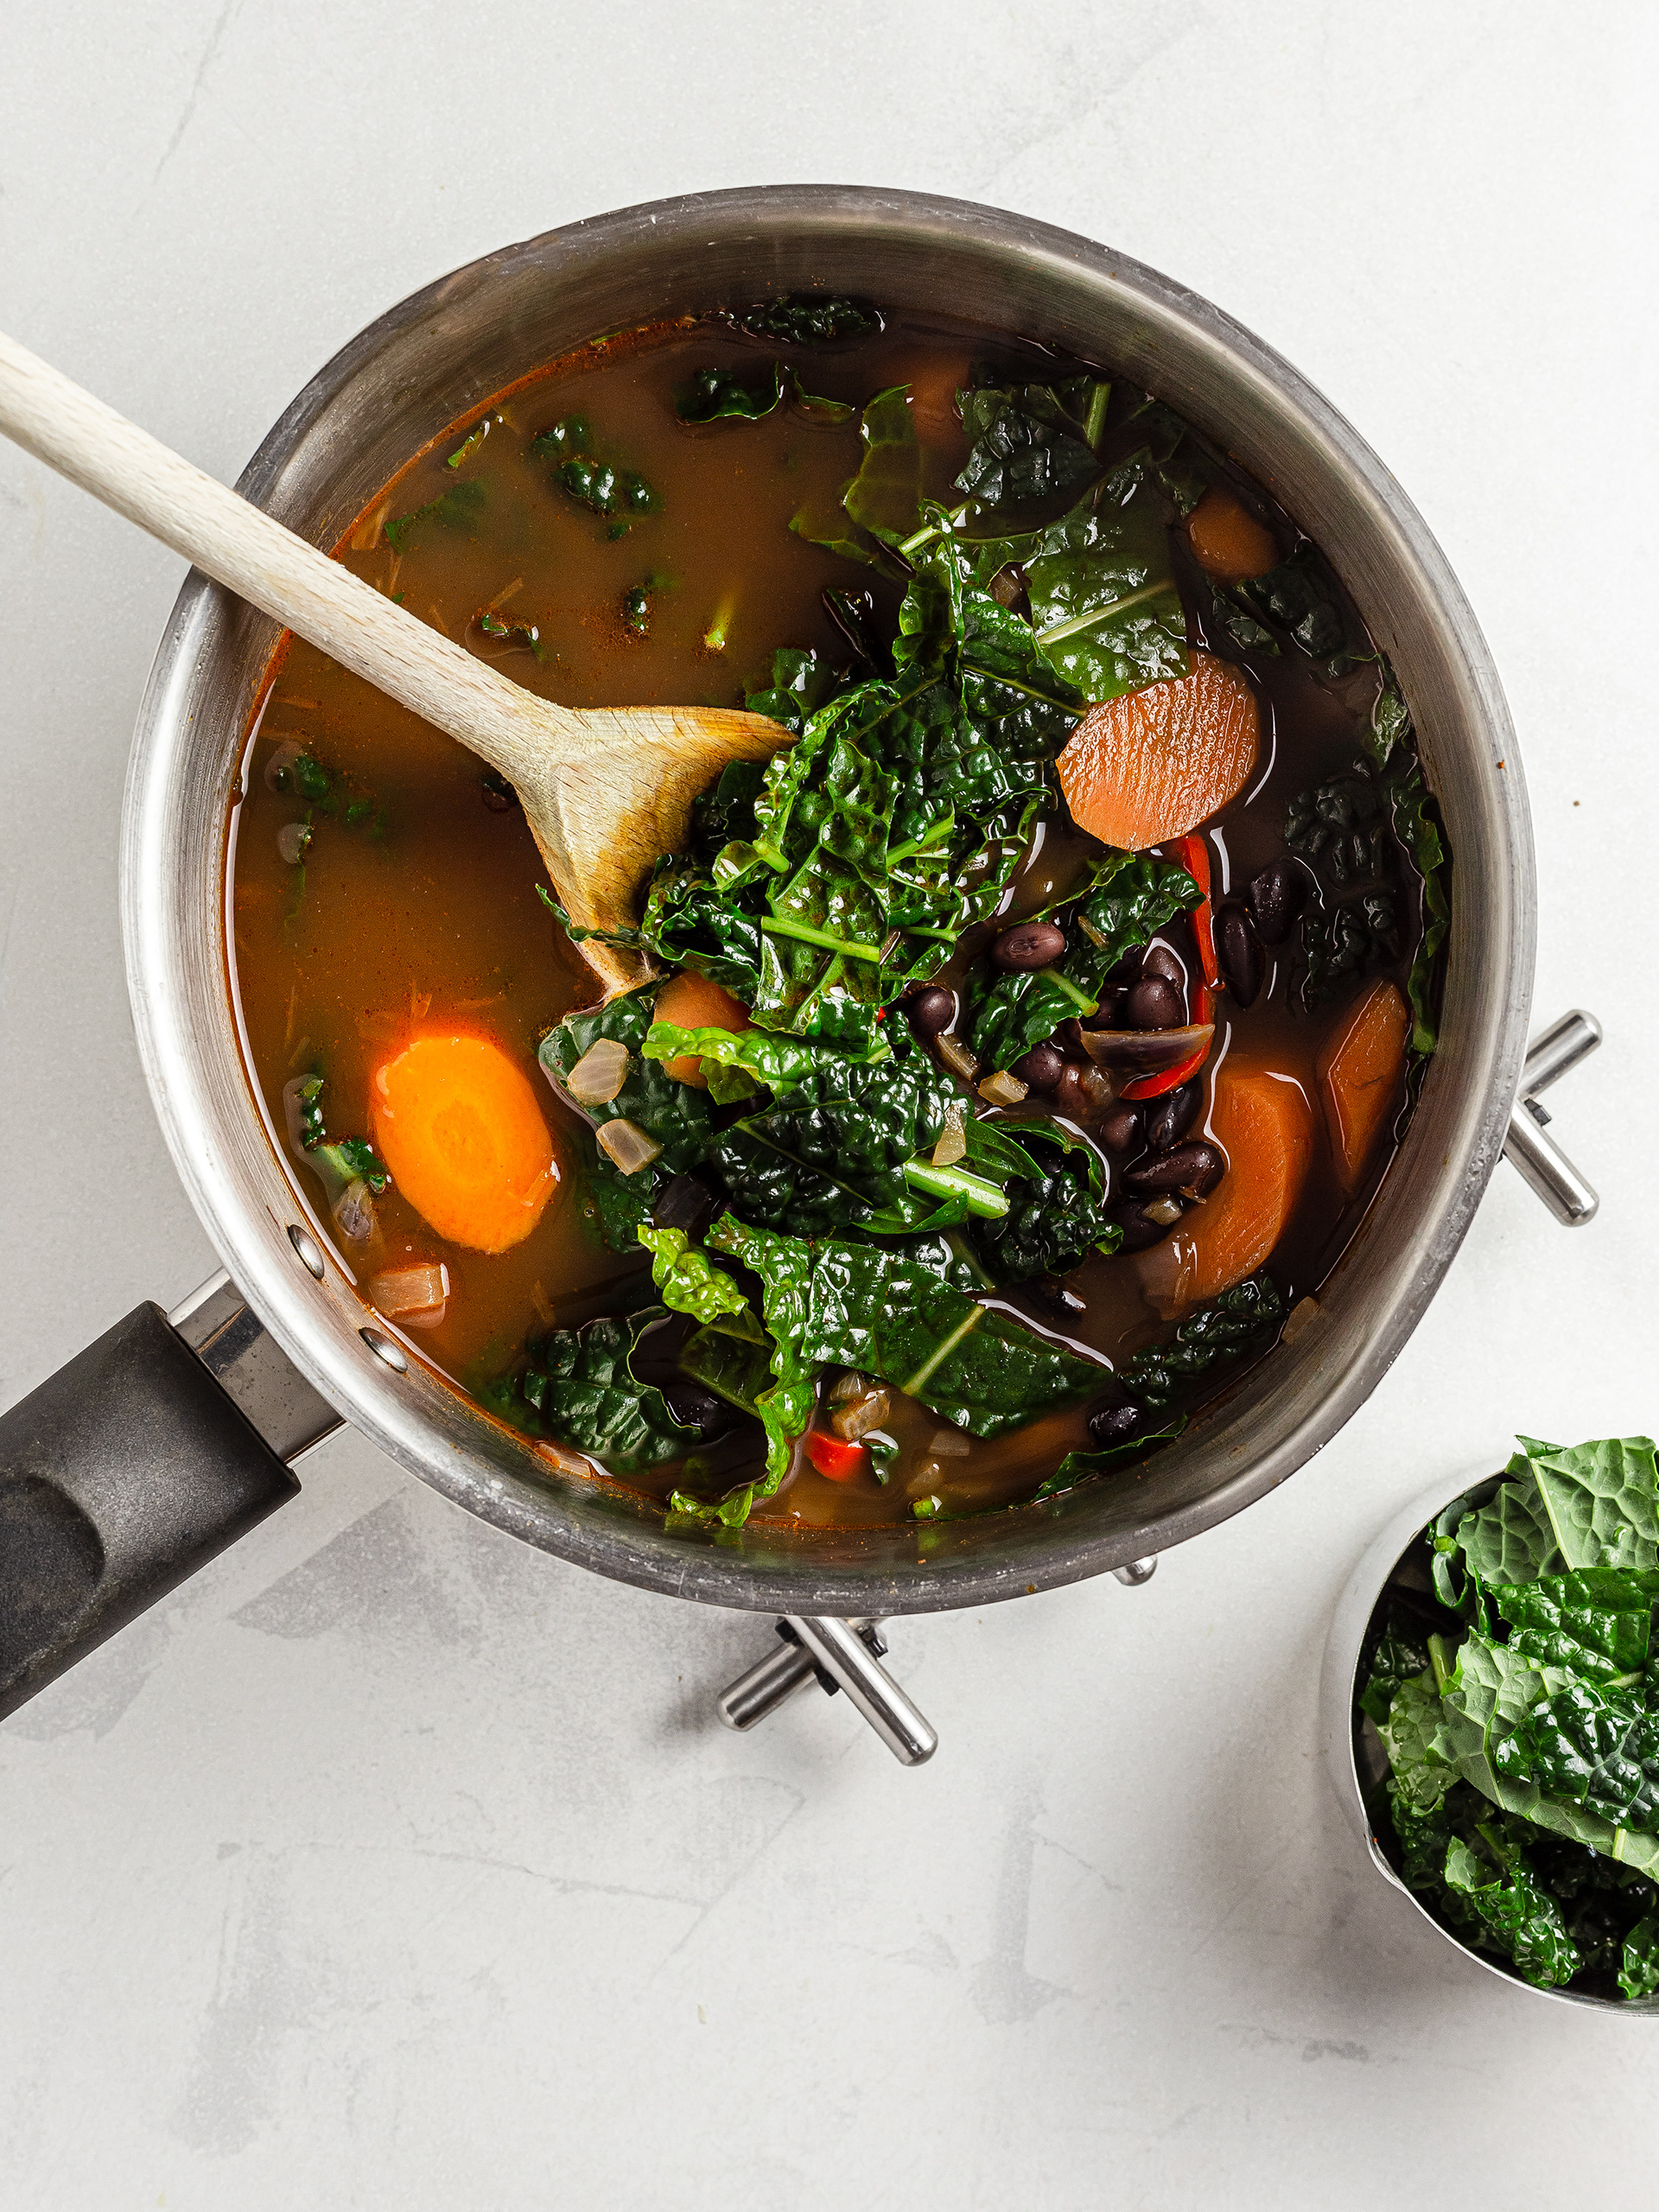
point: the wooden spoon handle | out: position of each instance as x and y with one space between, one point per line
320 601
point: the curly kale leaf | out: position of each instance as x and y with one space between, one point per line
722 396
690 923
1418 831
1595 1622
1601 1498
1077 1467
886 1310
1581 1746
798 319
1027 442
692 1284
1107 612
1301 599
801 682
674 1114
1342 943
1341 829
1240 1322
1638 1968
1521 1919
580 1389
1053 1222
1509 1539
1401 1654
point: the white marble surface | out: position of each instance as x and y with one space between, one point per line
392 1862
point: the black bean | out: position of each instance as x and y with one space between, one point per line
1111 1424
1277 898
1121 1130
930 1010
1109 1014
686 1203
1068 1096
1238 951
1161 961
694 1408
1139 1231
1169 1118
1040 1067
1154 1003
1027 945
1053 1293
1196 1167
498 795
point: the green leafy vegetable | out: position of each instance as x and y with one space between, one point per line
1240 1322
580 1389
1026 444
1128 898
1401 1655
1416 829
1103 598
674 1114
1525 1759
690 1283
1077 1467
795 319
884 1310
461 508
721 396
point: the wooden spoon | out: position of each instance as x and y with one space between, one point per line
606 790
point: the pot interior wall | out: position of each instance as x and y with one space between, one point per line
438 354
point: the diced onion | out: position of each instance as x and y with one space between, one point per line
1164 1211
354 1211
291 841
1003 1089
600 1073
418 1289
953 1137
626 1145
851 1422
947 1444
957 1057
852 1384
1097 1086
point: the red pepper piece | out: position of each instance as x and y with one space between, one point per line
1194 856
832 1456
1153 1086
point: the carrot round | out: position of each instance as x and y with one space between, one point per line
1155 763
461 1130
1360 1071
691 1002
1264 1123
1229 543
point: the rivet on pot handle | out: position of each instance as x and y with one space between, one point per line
1539 1158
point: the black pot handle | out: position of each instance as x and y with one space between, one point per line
134 1465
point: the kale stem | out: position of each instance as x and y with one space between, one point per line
1081 1000
983 1198
808 936
971 1319
1056 630
1099 400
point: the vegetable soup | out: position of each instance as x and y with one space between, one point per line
1009 1059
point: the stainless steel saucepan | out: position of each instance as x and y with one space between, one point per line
174 1434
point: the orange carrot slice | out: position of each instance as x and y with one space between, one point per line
462 1129
1155 763
1229 541
691 1002
1361 1069
1264 1123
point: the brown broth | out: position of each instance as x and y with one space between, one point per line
426 915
